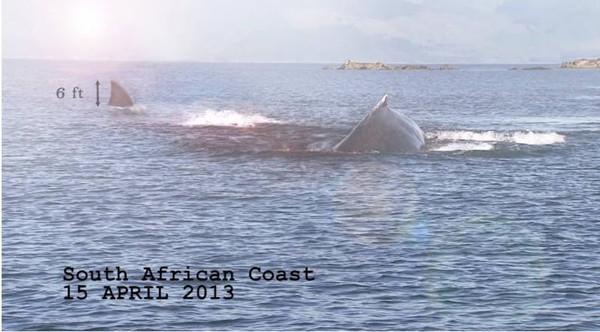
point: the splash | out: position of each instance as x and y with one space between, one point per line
134 109
465 147
532 138
465 135
519 137
227 118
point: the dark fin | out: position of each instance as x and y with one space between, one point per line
118 96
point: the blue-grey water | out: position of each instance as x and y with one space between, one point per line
496 225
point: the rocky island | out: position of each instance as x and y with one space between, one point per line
530 68
582 64
353 65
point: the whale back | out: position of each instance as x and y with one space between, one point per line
383 130
118 96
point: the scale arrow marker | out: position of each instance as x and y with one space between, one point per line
97 93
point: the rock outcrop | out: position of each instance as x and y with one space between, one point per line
582 64
411 67
530 68
352 65
447 67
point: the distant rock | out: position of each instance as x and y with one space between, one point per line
582 64
447 67
412 67
530 68
352 65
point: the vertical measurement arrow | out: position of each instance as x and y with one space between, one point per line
97 93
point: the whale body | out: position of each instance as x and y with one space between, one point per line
118 96
383 130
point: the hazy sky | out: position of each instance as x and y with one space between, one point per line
429 31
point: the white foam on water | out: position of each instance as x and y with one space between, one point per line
465 135
532 138
519 137
136 108
226 118
465 147
587 97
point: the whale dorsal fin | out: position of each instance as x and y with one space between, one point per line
118 96
383 130
382 103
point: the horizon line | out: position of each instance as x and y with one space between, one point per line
280 62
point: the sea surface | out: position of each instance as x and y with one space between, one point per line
495 225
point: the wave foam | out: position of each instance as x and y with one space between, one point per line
136 108
227 118
465 147
519 137
532 138
587 97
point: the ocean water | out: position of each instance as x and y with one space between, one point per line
496 225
